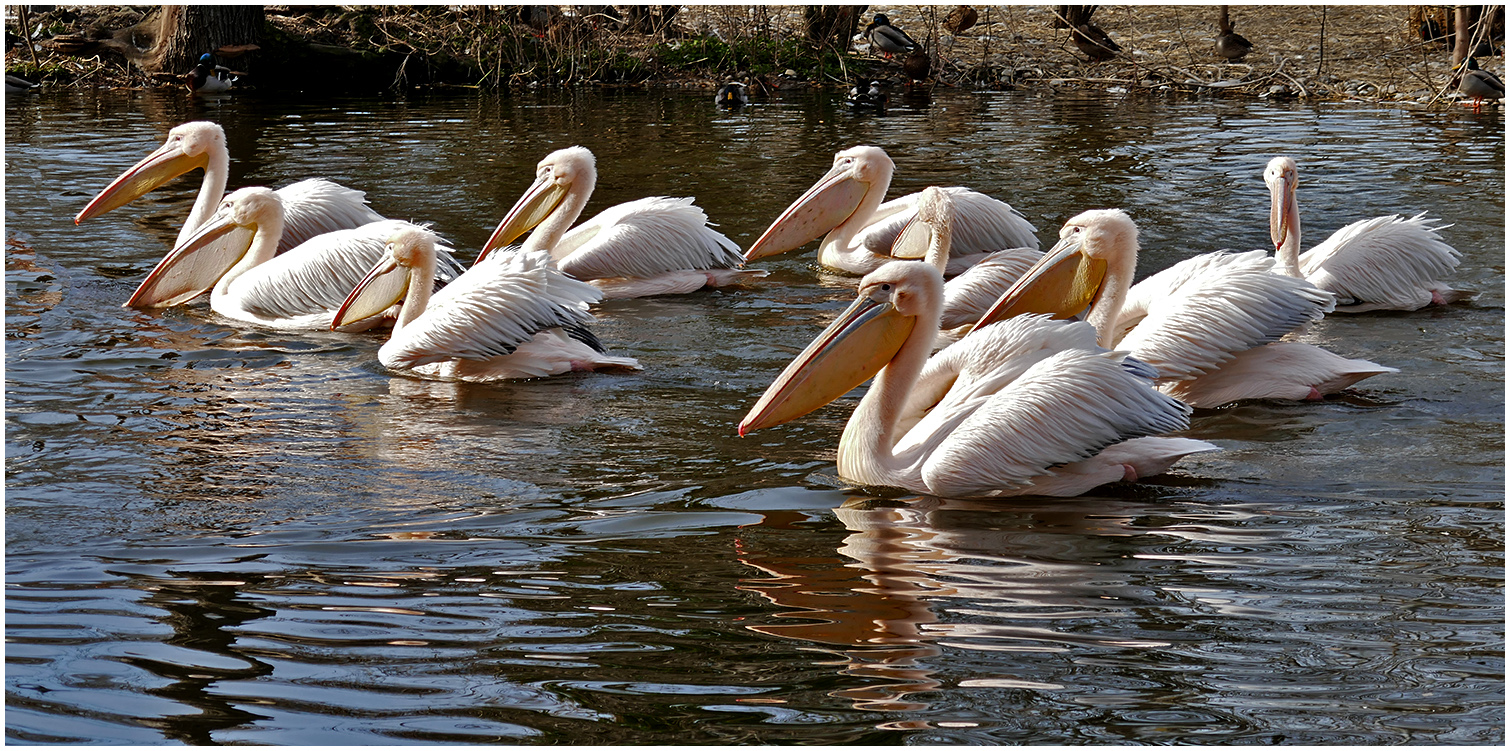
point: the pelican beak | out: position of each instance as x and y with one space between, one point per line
383 287
196 264
913 241
1282 197
1063 284
168 162
533 207
851 350
823 207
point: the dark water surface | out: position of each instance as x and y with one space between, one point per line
220 534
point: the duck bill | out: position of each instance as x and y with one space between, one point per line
195 265
823 207
851 350
1281 210
1062 284
913 241
168 162
383 287
533 207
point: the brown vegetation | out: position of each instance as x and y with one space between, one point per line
1333 52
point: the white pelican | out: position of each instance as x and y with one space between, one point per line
1209 325
512 315
652 246
311 207
968 296
1384 263
233 252
846 203
1030 406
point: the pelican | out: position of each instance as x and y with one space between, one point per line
512 315
233 251
1210 325
887 38
311 207
968 296
652 246
1029 406
1384 263
846 203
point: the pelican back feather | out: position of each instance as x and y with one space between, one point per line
492 309
982 224
645 238
1389 261
317 206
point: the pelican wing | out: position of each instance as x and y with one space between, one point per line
1030 394
317 206
316 276
968 296
1216 307
492 309
1385 260
981 224
645 238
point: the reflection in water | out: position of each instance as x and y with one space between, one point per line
1019 578
203 610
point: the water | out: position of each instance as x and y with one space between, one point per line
219 534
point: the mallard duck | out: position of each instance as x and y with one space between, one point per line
18 85
917 65
1095 43
209 78
872 97
887 38
1479 83
960 18
732 94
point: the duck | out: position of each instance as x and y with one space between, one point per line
732 94
917 65
960 19
209 78
1095 43
888 38
1478 83
1230 45
872 97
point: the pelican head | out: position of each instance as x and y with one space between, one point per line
1282 178
556 176
1071 276
189 146
829 203
198 262
409 253
854 347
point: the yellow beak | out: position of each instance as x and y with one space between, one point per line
913 241
1281 223
533 207
168 162
852 349
823 207
195 265
383 287
1063 283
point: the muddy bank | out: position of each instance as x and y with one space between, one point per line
1348 52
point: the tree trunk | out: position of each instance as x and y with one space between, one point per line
832 24
188 31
